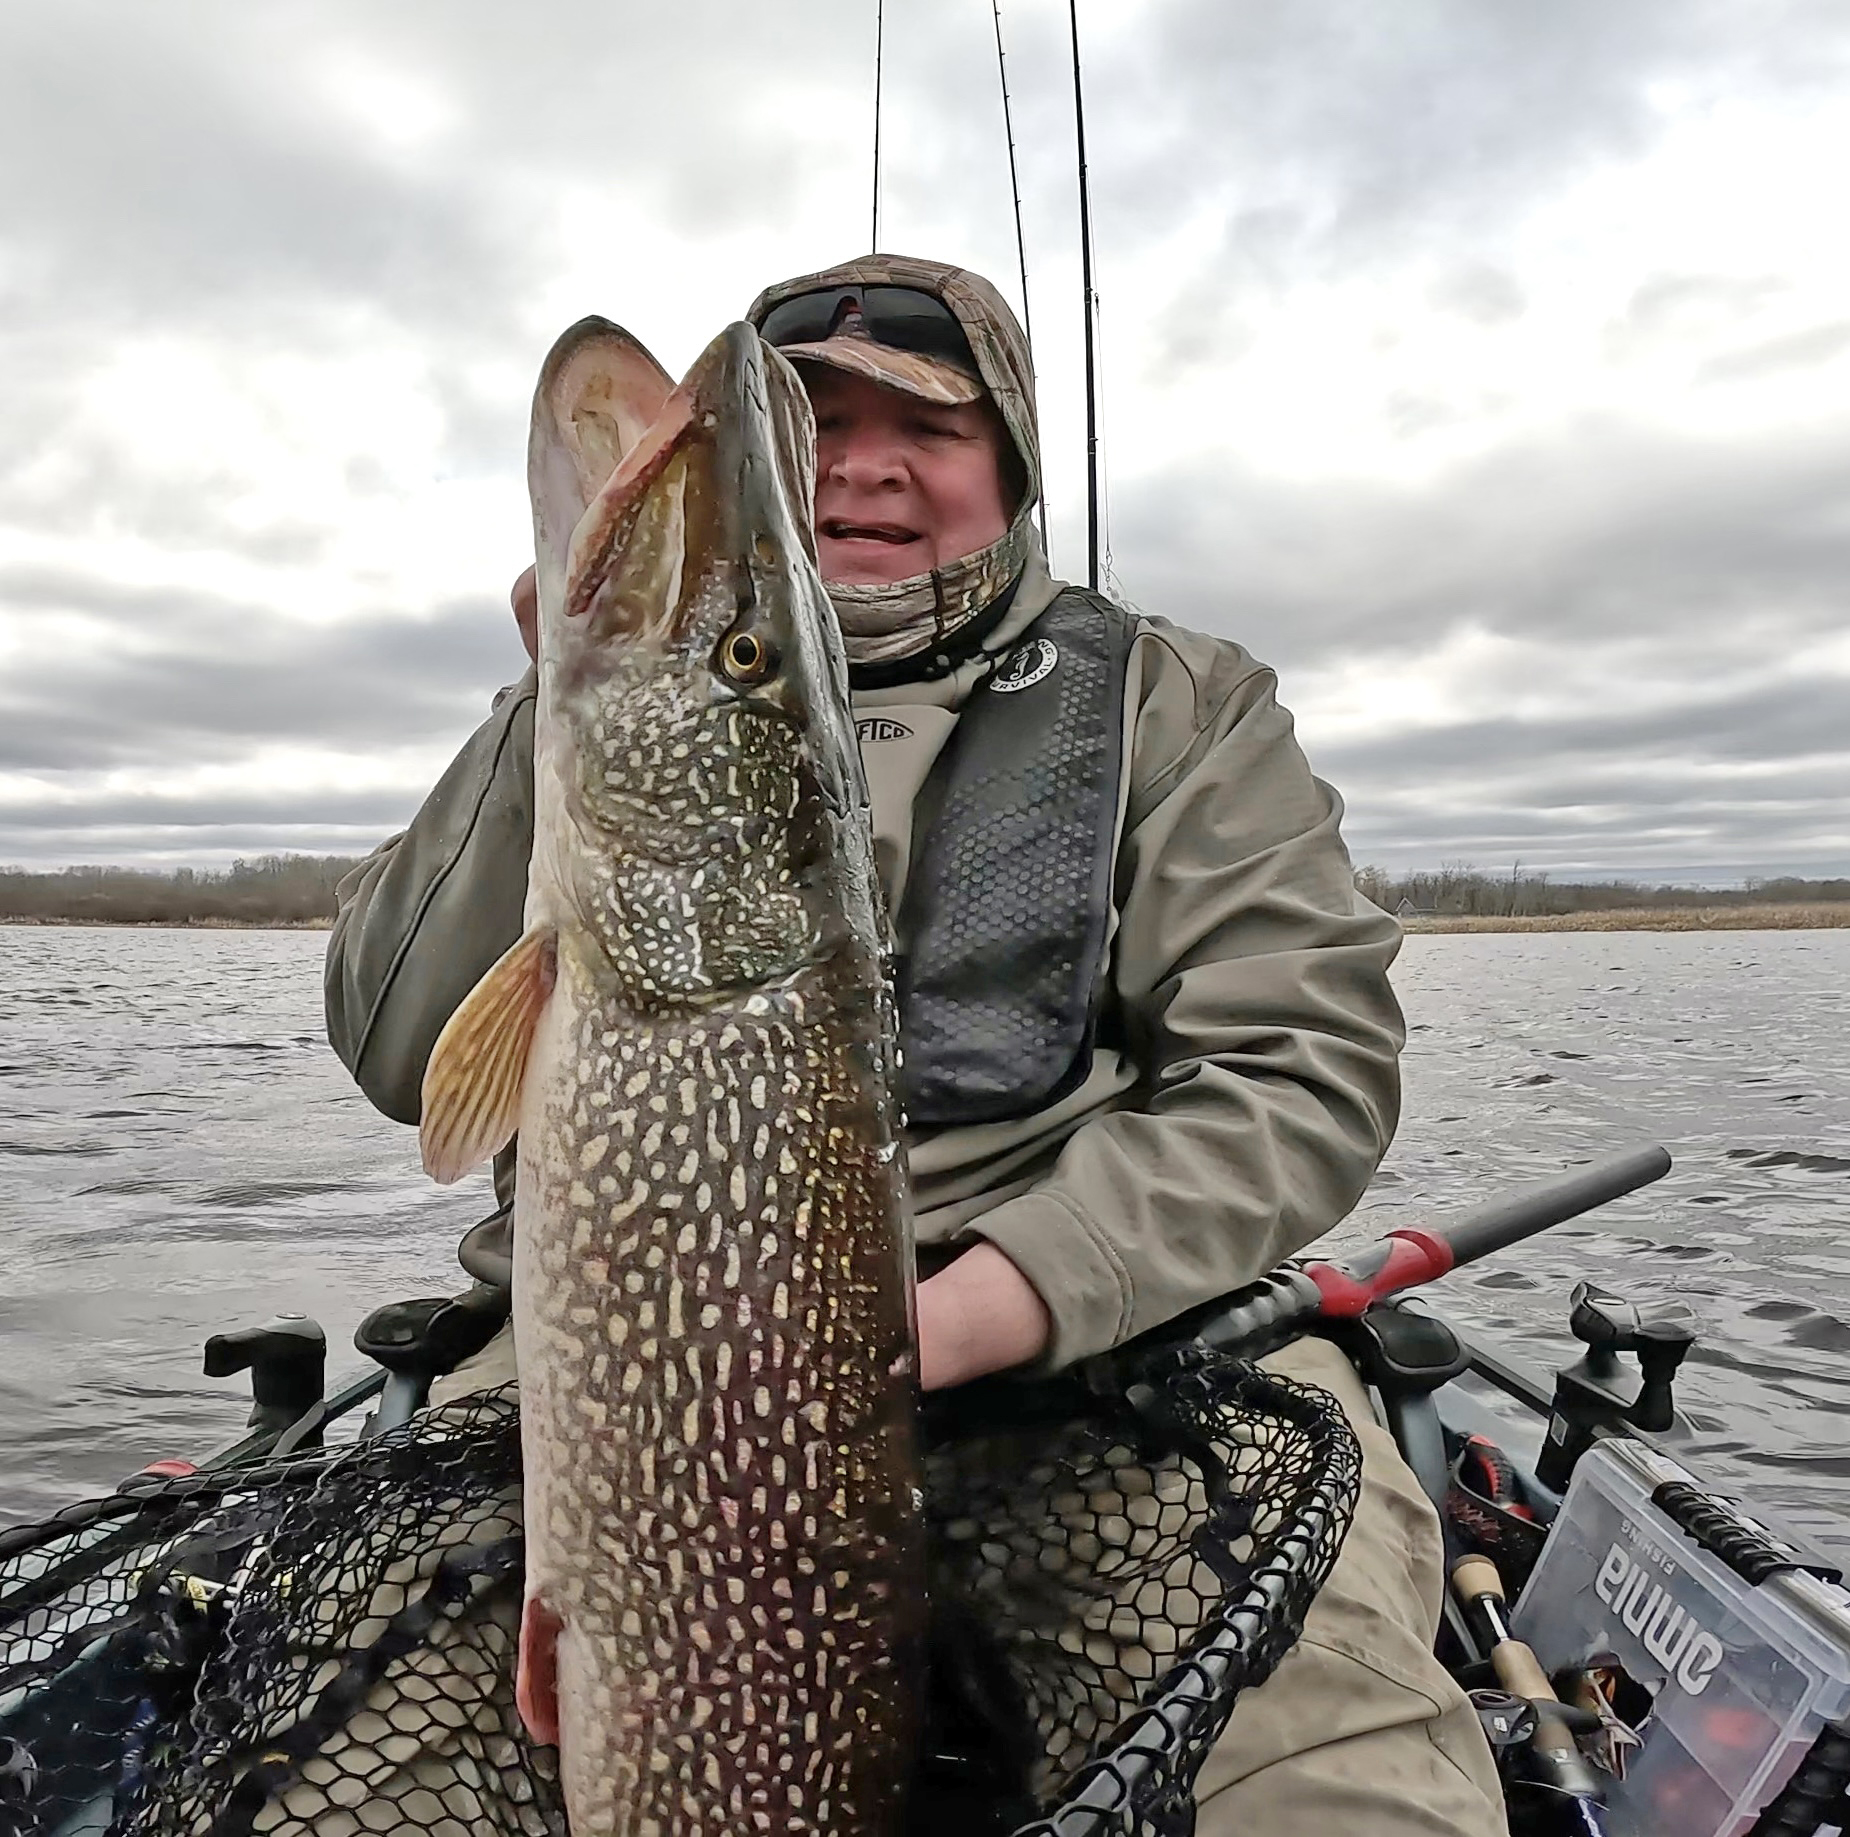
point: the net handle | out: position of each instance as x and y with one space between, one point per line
1280 1307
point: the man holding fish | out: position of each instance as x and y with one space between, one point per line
1149 1043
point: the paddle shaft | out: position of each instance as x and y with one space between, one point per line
1488 1228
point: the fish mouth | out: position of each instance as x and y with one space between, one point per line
611 520
681 498
601 413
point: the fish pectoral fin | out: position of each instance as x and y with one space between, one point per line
536 1671
471 1102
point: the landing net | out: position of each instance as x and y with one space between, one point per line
326 1645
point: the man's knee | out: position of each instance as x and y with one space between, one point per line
486 1370
1386 1761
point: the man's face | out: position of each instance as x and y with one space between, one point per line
902 485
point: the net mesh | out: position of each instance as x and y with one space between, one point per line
1129 1568
327 1644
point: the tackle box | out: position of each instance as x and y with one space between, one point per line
1647 1569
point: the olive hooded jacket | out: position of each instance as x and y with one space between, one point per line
1254 1086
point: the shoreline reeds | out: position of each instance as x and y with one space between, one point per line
1825 915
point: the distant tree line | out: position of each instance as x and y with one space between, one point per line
299 890
271 890
1461 890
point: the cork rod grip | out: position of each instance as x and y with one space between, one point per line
1520 1672
1474 1578
1480 1590
1553 1751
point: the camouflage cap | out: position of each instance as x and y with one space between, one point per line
850 346
997 344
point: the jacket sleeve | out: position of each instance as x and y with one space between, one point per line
421 919
1252 995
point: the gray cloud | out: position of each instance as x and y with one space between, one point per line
1698 570
163 678
214 183
110 814
207 185
193 843
1481 293
1664 304
1380 128
1708 781
1599 532
1336 140
1797 351
209 170
1804 720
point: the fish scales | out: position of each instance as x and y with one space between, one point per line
716 1423
712 1254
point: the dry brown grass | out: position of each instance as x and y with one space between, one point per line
1822 916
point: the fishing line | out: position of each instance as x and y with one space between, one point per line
1021 247
1085 270
879 51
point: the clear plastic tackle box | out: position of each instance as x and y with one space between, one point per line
1741 1675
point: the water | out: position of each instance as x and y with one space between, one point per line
1527 1051
180 1152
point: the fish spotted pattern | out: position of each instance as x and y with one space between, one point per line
712 1262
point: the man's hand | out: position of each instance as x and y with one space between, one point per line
524 597
978 1315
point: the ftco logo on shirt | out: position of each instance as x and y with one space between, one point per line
881 727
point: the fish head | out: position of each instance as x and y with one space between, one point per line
700 814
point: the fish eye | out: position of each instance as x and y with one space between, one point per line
747 658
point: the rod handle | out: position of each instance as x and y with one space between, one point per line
1474 1578
1520 1672
1555 1757
1475 1581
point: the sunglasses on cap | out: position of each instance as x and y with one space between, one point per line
903 317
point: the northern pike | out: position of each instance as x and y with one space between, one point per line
695 1041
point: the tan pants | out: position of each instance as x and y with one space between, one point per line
1360 1731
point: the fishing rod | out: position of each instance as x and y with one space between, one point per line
1561 1790
1021 251
879 56
1021 247
1091 305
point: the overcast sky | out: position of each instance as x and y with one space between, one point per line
1484 365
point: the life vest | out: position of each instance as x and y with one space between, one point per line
1010 889
1009 894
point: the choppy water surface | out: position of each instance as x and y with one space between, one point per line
180 1152
1528 1051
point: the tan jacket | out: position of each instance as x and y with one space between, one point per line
1260 1087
